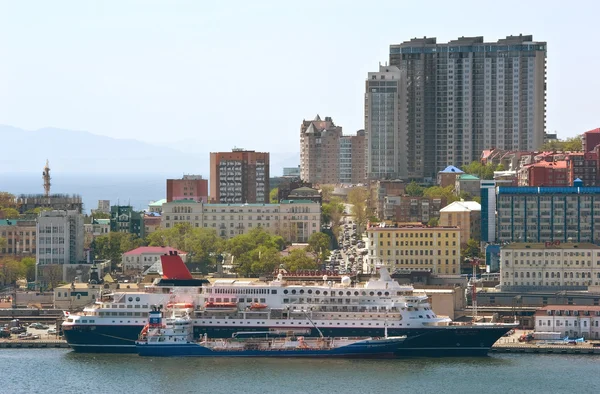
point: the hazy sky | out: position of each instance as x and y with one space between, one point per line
245 73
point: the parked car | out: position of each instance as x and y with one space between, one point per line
25 335
4 334
52 331
17 330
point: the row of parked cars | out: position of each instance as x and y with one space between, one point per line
21 330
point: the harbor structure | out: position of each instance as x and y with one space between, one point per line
240 176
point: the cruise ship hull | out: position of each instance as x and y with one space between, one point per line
442 341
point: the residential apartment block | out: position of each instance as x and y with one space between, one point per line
329 157
190 187
20 236
410 247
239 176
549 266
387 142
412 209
468 95
295 220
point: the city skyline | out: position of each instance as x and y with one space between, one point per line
152 73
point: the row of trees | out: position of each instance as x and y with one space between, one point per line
12 269
254 253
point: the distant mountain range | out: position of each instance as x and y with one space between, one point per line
82 152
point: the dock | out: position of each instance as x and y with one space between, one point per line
33 344
545 349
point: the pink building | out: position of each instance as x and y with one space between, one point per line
190 187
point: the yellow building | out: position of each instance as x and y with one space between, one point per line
465 215
415 248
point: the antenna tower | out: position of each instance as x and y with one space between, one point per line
46 177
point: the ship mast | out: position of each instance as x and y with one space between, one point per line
46 177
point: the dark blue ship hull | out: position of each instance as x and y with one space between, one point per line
383 348
421 342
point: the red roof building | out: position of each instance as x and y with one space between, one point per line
545 173
591 139
145 256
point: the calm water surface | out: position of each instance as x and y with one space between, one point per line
62 371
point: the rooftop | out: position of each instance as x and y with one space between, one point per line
158 203
551 245
462 206
452 169
468 177
298 202
152 250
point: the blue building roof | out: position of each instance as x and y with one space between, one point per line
452 169
549 190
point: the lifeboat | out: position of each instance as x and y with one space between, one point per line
256 306
180 305
220 306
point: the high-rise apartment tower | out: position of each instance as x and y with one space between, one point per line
239 176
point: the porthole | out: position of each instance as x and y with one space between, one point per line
309 291
293 291
137 299
341 293
130 299
386 293
348 293
378 293
324 293
371 293
356 293
318 292
285 292
301 291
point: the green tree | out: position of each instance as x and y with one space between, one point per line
245 248
357 196
299 260
471 249
10 213
112 246
573 144
326 192
101 215
413 189
266 260
8 200
10 271
441 192
3 243
433 222
318 245
28 268
274 196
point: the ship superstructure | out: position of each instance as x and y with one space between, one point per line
230 306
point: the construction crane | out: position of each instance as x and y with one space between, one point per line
46 177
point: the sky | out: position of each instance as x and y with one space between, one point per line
226 74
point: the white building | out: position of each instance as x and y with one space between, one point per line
569 320
295 220
145 256
59 241
550 265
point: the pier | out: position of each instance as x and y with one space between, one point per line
33 344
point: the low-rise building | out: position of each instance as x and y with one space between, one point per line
549 266
144 256
151 223
156 206
413 247
569 320
448 176
20 236
465 215
95 229
295 220
468 184
124 219
418 209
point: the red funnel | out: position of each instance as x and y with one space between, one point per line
173 267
